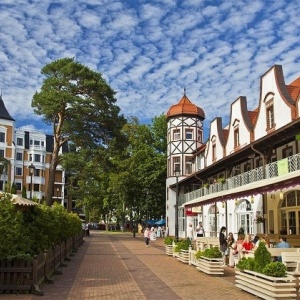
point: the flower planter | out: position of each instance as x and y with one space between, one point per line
266 287
183 256
169 250
211 266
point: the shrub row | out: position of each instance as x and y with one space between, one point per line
29 230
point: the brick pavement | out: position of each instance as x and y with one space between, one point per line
116 266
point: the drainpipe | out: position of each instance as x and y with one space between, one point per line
264 176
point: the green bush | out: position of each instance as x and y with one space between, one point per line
182 245
262 257
213 252
30 230
262 263
275 269
168 240
14 241
246 264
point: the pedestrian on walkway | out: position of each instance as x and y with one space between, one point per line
147 233
231 246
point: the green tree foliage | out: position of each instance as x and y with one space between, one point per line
79 105
138 182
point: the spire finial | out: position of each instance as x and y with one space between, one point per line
184 91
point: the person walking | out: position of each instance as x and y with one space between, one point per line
147 233
223 243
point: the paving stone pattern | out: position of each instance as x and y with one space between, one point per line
118 266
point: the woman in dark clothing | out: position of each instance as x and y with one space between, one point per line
223 243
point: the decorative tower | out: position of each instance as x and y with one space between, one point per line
184 137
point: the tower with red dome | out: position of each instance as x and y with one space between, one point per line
184 137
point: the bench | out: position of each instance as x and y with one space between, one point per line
277 251
291 260
206 242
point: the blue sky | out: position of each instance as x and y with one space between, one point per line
150 50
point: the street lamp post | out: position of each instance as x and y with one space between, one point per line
57 190
177 174
31 172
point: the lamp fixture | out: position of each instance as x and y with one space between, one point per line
223 204
236 202
281 195
252 199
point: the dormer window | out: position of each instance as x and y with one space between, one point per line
270 117
236 137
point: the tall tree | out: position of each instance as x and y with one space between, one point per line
79 105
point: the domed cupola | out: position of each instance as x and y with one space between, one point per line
185 108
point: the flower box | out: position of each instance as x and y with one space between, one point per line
266 287
211 266
183 256
169 250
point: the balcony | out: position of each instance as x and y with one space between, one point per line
259 175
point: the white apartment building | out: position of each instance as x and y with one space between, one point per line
24 149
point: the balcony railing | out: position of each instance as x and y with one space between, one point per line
272 170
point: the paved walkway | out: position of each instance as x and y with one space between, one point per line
113 266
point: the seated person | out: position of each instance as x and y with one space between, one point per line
283 243
247 244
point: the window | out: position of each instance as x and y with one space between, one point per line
214 153
189 134
18 171
19 156
1 153
176 163
288 151
36 187
270 116
37 172
42 144
199 137
36 143
236 138
176 134
188 165
2 137
19 186
37 157
19 142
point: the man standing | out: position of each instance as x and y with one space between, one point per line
200 230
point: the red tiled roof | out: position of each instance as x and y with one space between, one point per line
185 107
294 89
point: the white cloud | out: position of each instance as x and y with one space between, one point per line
149 51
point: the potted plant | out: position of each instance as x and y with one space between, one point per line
169 245
263 277
182 250
210 261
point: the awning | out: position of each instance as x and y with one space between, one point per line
263 186
15 199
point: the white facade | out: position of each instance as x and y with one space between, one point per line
248 168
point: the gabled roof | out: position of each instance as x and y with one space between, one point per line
185 107
294 89
3 111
